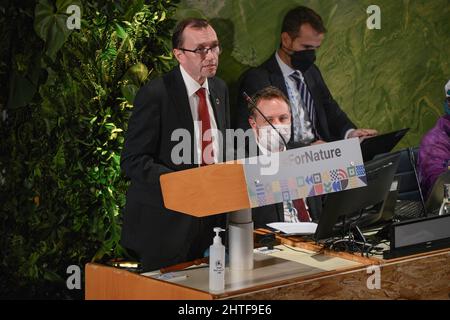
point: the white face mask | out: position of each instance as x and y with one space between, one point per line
270 140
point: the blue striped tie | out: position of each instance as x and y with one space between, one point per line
307 99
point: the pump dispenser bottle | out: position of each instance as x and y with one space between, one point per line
217 263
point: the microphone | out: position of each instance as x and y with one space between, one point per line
253 104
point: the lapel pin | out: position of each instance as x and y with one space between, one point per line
217 101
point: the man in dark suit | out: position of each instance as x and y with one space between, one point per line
316 117
189 98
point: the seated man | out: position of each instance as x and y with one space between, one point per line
434 151
316 116
275 108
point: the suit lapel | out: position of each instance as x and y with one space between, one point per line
276 76
218 105
277 80
181 102
178 93
312 88
318 105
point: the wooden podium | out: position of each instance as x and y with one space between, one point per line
237 187
216 189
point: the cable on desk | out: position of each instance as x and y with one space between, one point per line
297 250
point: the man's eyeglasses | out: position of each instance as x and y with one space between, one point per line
204 51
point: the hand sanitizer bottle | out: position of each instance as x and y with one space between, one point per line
445 207
217 263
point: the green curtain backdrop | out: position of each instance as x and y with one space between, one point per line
384 79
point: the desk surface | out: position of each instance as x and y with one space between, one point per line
309 273
275 268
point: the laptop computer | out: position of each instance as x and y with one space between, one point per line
383 143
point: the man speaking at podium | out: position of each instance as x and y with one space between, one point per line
189 97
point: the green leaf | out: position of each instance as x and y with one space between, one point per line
163 16
59 160
132 80
51 25
109 54
121 33
129 91
21 90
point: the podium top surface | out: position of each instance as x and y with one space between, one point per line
207 190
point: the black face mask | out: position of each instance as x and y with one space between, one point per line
303 60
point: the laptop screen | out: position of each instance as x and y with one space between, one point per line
383 143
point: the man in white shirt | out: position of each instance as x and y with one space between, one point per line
190 99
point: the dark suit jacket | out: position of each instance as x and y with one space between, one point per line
332 122
159 236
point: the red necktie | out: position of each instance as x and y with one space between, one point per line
203 116
303 214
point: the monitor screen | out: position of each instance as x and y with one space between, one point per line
351 203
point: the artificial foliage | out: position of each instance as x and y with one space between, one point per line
67 97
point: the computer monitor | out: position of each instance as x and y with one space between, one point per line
351 203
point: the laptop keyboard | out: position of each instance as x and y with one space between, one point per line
405 210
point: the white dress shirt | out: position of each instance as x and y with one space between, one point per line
192 87
304 133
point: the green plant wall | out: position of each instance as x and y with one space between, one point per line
384 79
62 125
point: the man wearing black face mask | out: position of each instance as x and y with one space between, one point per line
316 117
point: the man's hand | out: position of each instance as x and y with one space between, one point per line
359 133
318 142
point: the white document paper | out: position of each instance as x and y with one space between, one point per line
300 228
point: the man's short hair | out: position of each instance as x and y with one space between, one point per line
299 16
268 93
177 36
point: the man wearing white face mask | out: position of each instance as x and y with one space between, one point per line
276 109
